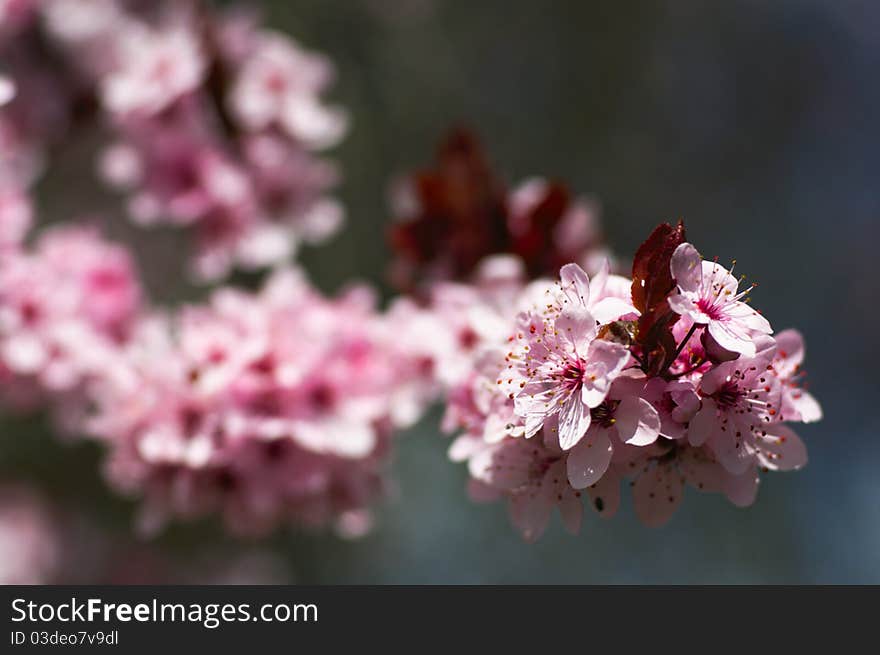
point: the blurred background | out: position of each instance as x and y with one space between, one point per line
756 122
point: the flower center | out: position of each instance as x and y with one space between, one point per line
728 396
603 415
709 307
573 374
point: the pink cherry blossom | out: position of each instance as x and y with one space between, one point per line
660 474
562 411
797 403
740 401
278 84
624 416
268 408
708 294
155 68
64 308
558 367
532 473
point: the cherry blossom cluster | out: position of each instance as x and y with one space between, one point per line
67 305
279 406
213 122
265 408
666 380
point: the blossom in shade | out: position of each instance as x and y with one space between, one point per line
532 473
740 399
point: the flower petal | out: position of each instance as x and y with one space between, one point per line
780 449
730 450
637 422
686 267
704 424
656 495
575 284
530 513
578 327
742 489
605 494
611 309
574 419
806 408
683 305
730 340
605 360
588 461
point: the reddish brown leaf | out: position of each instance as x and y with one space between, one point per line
652 279
652 283
461 214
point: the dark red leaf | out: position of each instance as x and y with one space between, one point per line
461 214
651 285
652 279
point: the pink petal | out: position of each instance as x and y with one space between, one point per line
745 315
530 513
534 422
790 347
611 309
577 326
571 509
637 422
704 424
730 450
806 407
605 361
605 494
656 495
574 419
600 279
781 449
686 267
465 447
479 492
588 461
730 340
575 283
702 473
742 489
685 306
505 466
